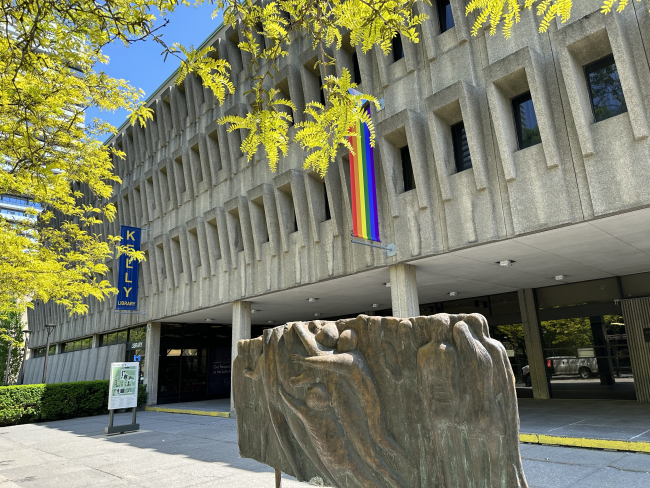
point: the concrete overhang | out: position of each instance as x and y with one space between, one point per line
611 246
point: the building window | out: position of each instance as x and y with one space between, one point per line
605 89
525 121
445 17
461 149
356 71
322 91
78 345
398 49
328 214
407 169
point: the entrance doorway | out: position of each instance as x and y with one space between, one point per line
194 362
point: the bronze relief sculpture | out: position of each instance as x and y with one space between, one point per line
381 402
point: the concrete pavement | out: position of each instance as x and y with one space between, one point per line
174 450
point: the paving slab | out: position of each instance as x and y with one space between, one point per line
202 451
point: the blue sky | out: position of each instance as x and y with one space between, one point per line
141 63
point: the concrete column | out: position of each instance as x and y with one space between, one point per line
241 329
636 315
151 360
404 291
95 343
533 340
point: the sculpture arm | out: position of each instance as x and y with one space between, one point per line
331 362
308 340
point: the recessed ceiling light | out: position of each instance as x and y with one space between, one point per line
312 300
560 277
255 310
387 285
270 321
375 305
317 314
453 293
209 320
506 263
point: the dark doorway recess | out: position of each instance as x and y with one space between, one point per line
194 362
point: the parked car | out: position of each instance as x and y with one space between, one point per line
565 365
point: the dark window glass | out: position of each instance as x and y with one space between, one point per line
525 121
397 48
111 338
86 343
138 334
295 222
328 214
322 91
445 17
578 294
407 169
121 336
356 72
462 157
504 303
52 349
605 89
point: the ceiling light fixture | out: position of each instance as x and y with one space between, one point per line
453 293
312 300
209 320
375 305
387 285
270 321
560 277
317 314
506 263
255 310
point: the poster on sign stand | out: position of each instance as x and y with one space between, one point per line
123 393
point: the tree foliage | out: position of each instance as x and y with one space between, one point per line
11 336
506 13
50 75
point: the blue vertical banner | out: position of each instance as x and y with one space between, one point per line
128 270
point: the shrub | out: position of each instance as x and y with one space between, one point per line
28 403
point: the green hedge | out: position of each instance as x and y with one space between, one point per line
28 403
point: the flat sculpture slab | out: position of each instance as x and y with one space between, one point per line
380 402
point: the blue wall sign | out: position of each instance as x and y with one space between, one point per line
127 277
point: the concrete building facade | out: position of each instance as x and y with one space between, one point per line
513 175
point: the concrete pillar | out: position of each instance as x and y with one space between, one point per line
241 329
636 314
151 360
95 343
404 291
533 340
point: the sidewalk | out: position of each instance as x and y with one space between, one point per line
601 424
179 451
605 424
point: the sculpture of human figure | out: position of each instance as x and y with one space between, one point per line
349 363
328 439
438 379
504 383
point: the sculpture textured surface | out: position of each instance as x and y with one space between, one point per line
381 402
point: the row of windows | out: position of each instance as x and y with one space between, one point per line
40 351
123 336
607 100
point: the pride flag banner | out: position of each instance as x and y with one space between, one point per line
364 190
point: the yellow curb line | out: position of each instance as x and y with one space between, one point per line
188 412
582 442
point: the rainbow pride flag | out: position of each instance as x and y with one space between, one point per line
364 190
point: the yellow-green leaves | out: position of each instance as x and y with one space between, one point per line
329 126
266 32
507 12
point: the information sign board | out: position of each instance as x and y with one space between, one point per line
123 392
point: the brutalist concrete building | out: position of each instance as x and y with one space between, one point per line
513 177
